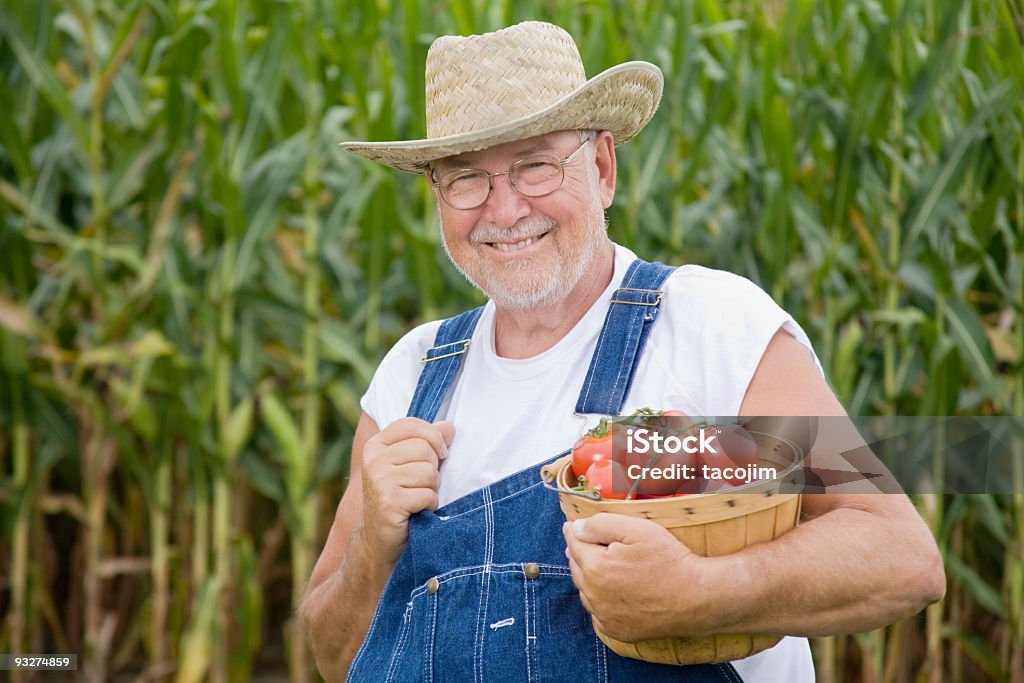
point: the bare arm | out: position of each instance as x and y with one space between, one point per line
396 478
856 563
345 584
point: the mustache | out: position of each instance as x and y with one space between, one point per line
521 230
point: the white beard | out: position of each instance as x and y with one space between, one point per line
548 288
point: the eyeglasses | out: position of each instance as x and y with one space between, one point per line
536 176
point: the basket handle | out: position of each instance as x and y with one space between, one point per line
549 473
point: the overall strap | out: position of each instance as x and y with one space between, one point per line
441 364
634 306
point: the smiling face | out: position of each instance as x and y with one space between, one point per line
525 252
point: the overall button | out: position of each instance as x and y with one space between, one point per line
433 584
531 569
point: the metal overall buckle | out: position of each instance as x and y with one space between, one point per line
465 347
657 299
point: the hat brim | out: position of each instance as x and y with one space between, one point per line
621 100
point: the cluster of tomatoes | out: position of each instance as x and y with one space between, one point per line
603 463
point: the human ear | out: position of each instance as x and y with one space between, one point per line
604 159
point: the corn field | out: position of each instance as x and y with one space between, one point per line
196 284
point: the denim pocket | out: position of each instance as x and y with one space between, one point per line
565 646
566 613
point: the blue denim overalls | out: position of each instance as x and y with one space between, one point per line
482 591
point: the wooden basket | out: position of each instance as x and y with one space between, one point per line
710 524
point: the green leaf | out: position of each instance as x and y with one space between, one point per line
992 517
337 345
903 317
969 334
43 77
263 477
14 141
986 596
285 430
238 429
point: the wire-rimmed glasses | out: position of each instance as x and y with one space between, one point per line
534 176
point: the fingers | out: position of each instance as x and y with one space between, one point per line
390 481
580 553
595 543
408 440
574 570
578 580
413 450
437 436
416 475
606 528
406 454
400 477
420 499
447 429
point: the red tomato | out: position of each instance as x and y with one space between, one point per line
655 418
688 487
734 447
609 479
667 464
680 421
594 446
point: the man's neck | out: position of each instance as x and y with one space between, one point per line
527 333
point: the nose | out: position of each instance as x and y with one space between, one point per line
505 205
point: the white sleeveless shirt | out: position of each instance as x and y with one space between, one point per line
510 414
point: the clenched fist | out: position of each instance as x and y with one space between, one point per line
638 582
400 478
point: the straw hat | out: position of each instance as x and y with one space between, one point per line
521 81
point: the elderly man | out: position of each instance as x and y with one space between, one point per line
447 559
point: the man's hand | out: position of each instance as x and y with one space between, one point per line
637 581
400 478
394 475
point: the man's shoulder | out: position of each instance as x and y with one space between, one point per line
697 278
701 287
694 274
415 342
391 388
698 289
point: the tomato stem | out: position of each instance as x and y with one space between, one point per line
654 458
601 430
